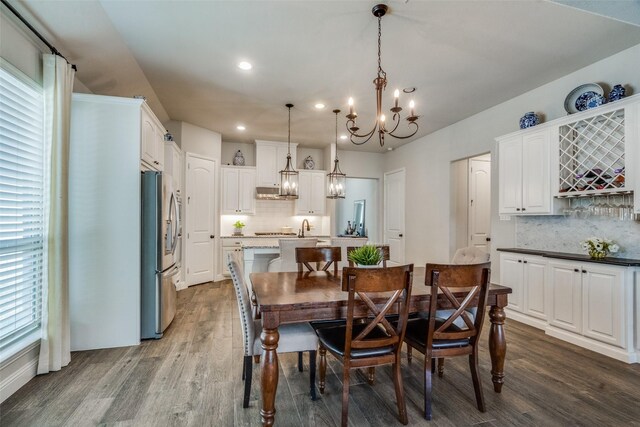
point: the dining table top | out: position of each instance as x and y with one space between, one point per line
275 291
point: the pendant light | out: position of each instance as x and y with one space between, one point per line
289 176
336 180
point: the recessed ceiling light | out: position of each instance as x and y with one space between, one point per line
343 136
319 105
389 149
244 65
240 127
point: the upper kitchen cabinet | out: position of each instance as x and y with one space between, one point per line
173 164
152 141
238 190
311 197
271 158
524 173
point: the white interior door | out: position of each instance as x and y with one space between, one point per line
394 215
480 204
200 205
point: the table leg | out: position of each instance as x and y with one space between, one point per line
269 374
497 346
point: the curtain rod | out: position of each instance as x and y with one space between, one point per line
34 31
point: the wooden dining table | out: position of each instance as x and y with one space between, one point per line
290 297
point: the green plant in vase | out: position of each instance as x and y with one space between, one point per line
365 255
598 247
238 225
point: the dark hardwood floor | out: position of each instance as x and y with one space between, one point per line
192 377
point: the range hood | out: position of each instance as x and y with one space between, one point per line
271 193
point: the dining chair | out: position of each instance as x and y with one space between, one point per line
384 251
287 259
327 255
344 243
374 340
470 255
295 337
463 287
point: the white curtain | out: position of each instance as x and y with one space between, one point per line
55 348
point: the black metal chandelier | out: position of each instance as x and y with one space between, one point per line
289 176
380 82
336 180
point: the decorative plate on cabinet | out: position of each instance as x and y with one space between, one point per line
578 97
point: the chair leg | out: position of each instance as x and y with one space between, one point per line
427 387
300 361
397 382
477 386
323 368
248 368
256 359
345 394
433 365
409 353
312 373
441 367
244 367
371 375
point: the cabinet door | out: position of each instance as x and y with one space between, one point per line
318 199
603 304
148 148
510 176
247 190
535 287
230 191
511 276
566 295
158 141
176 163
267 165
536 176
303 203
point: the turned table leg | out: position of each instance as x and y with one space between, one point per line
269 374
497 346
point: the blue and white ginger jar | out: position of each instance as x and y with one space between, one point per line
616 93
528 120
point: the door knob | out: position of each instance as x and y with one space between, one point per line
488 239
211 236
400 235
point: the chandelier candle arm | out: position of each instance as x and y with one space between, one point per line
380 83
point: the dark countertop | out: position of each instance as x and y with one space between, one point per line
625 262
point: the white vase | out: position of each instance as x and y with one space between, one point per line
367 266
237 231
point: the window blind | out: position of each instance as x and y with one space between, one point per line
21 207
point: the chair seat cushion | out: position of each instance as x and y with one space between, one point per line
416 334
293 337
334 340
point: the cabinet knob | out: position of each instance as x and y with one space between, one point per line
584 271
576 270
525 261
523 209
519 260
518 209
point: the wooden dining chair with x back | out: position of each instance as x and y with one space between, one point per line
318 256
374 341
461 288
296 337
384 252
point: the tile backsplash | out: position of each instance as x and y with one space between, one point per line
560 234
271 215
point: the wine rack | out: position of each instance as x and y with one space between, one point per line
592 155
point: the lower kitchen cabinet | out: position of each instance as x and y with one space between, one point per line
229 246
589 304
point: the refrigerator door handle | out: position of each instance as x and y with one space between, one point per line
176 223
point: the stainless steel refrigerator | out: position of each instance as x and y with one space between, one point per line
161 240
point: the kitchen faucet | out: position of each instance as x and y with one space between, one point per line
308 227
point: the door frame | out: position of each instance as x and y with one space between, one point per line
216 223
404 209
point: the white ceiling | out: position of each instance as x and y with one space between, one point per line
462 56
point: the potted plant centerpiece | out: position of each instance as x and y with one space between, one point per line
599 247
367 256
237 231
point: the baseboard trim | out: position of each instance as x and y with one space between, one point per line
19 371
598 347
527 320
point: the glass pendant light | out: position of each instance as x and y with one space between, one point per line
289 176
336 180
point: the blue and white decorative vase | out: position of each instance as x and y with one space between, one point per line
616 93
528 120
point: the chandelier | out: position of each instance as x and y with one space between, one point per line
289 176
380 82
336 179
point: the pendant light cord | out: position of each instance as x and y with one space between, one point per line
289 134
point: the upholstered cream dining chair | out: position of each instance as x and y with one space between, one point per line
287 259
344 243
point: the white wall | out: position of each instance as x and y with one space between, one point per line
317 154
229 150
427 160
459 209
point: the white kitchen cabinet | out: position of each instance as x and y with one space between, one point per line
526 276
238 190
311 194
588 299
229 246
524 174
152 140
271 158
173 164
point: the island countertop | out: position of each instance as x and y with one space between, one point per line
625 262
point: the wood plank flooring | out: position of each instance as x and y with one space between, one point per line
191 377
